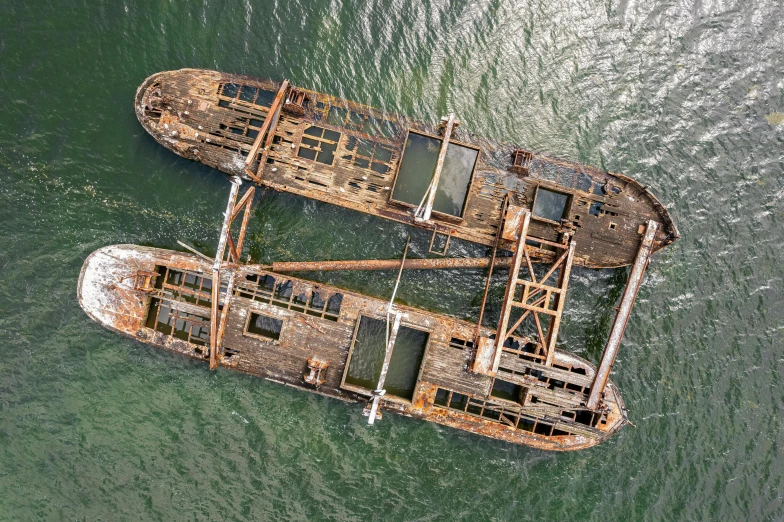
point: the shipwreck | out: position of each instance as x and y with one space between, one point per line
539 217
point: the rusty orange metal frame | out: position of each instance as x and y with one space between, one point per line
536 297
218 324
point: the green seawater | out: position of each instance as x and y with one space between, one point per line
682 95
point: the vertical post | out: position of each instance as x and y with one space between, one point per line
431 189
235 186
511 286
622 316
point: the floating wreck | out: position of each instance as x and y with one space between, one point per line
510 382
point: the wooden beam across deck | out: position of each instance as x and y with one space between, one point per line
431 190
267 128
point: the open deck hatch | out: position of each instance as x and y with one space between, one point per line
551 205
263 326
367 358
417 165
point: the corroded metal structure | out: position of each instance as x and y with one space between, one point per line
330 149
499 382
312 332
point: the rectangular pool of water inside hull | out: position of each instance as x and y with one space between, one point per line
367 358
416 171
368 354
406 359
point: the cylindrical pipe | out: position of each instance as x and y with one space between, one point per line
622 316
385 264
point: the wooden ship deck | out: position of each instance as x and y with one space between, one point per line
326 340
436 177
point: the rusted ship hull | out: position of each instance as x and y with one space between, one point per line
316 338
308 143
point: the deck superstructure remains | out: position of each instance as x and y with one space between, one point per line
500 383
312 336
437 177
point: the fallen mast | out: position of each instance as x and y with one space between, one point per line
386 264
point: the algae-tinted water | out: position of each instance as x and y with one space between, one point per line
685 96
367 358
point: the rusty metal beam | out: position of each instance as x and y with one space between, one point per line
622 317
525 314
244 227
383 264
274 108
530 267
554 267
235 256
506 307
275 115
423 214
238 208
560 299
235 186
